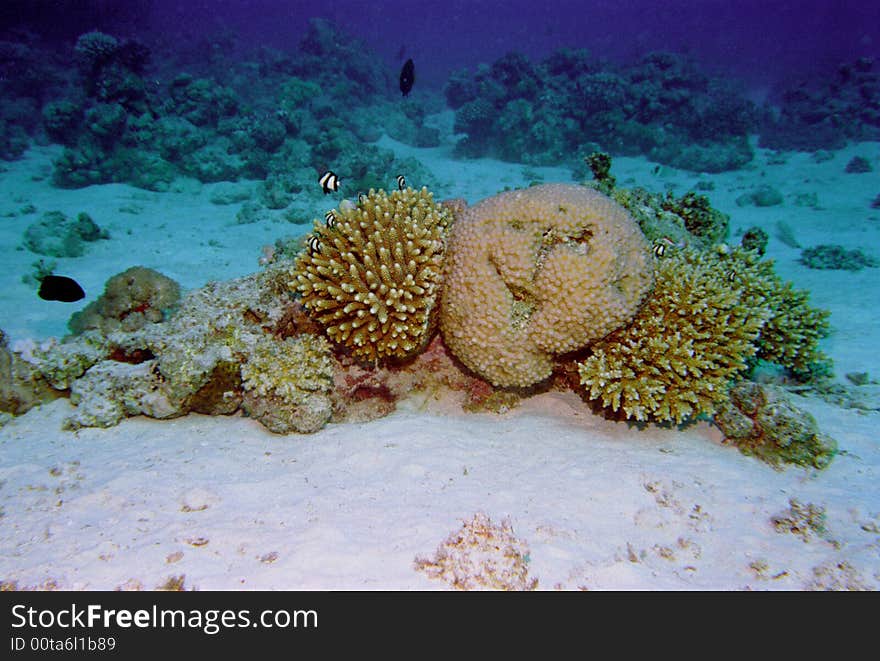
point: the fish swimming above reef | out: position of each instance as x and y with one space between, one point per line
329 182
60 288
401 182
407 76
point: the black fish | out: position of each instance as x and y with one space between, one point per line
407 76
60 288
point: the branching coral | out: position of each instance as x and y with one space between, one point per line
710 312
687 343
372 275
535 273
790 337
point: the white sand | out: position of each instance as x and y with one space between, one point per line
601 505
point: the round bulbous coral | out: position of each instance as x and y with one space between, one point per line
372 275
531 274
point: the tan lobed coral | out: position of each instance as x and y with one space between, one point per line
531 274
131 299
372 275
689 341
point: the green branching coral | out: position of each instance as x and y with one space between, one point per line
710 313
371 275
287 384
790 337
688 342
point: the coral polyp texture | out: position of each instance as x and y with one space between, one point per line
534 273
372 275
691 338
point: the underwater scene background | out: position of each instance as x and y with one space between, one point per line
487 295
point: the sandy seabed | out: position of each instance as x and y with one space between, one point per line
595 504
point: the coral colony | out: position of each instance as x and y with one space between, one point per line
553 286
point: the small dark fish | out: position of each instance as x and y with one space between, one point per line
362 198
401 182
407 76
731 276
329 182
330 219
659 249
314 245
60 288
656 170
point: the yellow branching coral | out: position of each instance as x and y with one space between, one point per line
690 339
534 273
372 273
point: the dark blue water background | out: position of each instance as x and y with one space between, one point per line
759 41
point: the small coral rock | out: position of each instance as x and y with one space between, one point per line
287 384
762 421
131 299
531 274
372 274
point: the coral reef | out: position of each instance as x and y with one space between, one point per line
131 299
535 273
542 113
790 337
312 109
481 555
825 112
691 338
228 346
372 277
762 421
56 235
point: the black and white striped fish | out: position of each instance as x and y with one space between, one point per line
401 182
329 182
330 219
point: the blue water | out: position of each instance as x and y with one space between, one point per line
759 40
